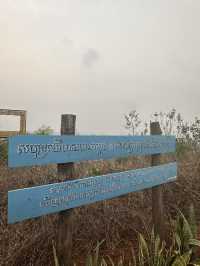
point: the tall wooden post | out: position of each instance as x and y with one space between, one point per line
23 123
157 192
65 221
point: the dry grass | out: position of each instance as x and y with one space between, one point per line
30 242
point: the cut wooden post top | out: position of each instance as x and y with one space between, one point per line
68 122
155 128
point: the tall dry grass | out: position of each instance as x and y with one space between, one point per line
116 220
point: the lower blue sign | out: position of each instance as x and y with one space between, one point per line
37 201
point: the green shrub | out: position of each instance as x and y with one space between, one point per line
154 252
43 130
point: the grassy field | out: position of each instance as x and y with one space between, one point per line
115 221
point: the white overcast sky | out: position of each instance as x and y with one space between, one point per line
98 59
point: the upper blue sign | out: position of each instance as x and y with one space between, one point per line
36 201
38 150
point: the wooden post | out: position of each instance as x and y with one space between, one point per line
23 123
157 193
65 220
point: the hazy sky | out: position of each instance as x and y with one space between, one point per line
98 59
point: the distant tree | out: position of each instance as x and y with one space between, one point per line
195 130
43 130
132 122
171 123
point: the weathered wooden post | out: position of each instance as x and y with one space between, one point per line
65 221
23 123
157 192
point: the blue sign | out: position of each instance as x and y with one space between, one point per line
39 150
36 201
